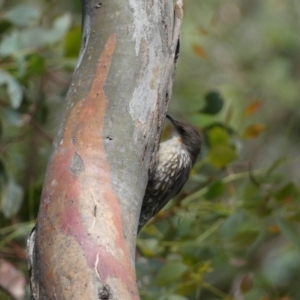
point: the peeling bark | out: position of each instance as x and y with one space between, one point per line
83 245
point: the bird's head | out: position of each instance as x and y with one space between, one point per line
190 137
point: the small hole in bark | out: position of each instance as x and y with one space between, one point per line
104 292
109 138
98 5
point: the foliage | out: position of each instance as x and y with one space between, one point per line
233 231
39 45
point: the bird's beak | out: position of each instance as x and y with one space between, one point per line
170 118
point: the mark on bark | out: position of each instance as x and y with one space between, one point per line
77 165
144 152
84 41
74 140
95 210
104 292
98 5
96 265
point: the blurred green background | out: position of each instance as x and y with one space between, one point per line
233 231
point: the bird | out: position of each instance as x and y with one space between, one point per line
174 161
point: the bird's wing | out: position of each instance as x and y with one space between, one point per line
174 188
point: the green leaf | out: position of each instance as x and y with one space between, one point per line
28 39
12 197
21 41
10 43
245 238
288 191
18 42
169 272
251 191
221 151
251 196
229 130
222 156
14 117
289 230
149 247
4 26
23 15
59 29
35 65
215 190
217 136
235 224
13 88
213 103
72 42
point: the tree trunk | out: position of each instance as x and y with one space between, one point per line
83 245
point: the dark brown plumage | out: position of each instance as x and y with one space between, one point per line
174 162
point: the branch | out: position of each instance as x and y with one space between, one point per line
83 246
